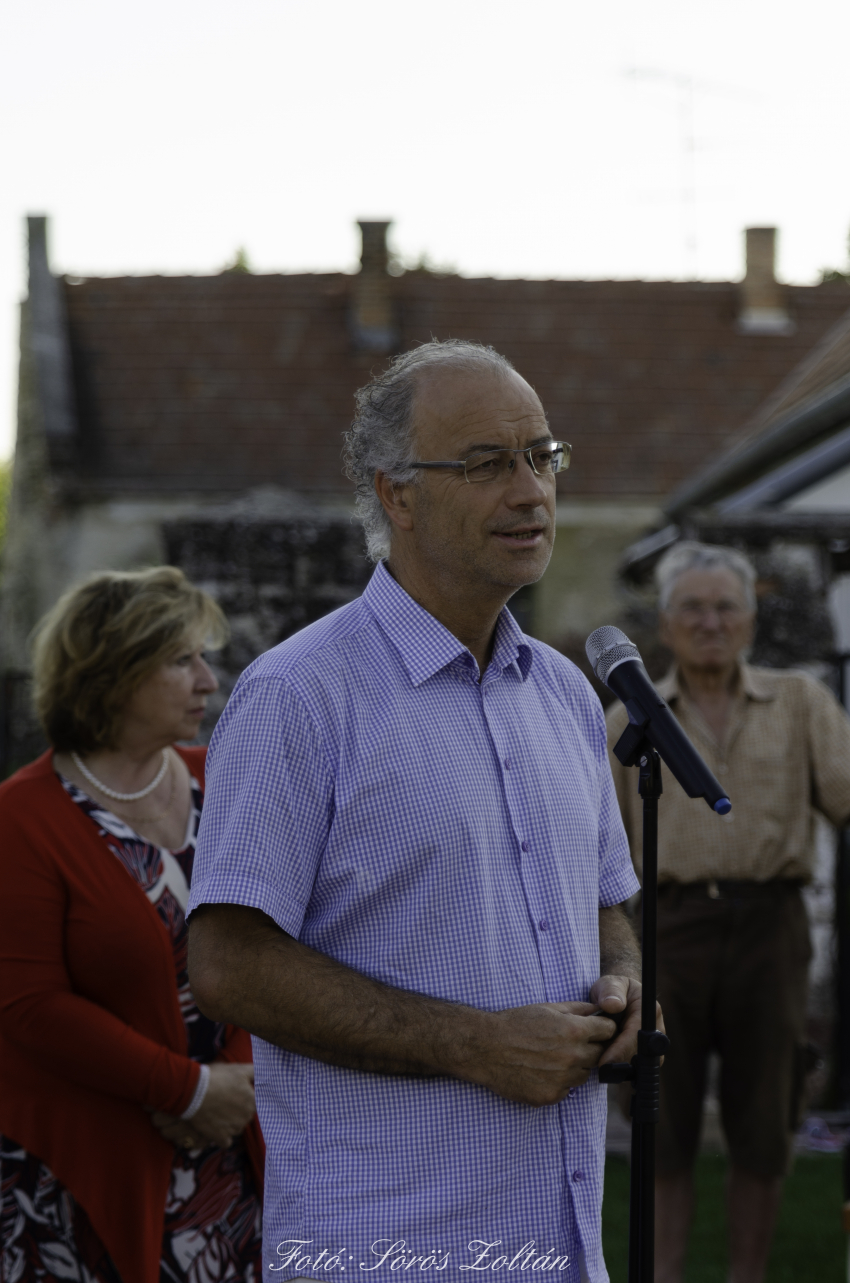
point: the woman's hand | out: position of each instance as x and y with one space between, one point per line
226 1110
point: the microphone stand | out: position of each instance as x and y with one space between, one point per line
633 749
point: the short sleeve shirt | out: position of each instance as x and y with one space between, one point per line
448 836
786 754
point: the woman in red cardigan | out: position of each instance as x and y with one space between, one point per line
129 1147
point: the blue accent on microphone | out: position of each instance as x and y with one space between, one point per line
723 807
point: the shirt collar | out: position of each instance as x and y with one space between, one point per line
424 644
753 683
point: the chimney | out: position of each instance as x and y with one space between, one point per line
763 309
50 345
373 313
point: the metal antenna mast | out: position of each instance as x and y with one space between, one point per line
684 86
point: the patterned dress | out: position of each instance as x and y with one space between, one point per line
212 1231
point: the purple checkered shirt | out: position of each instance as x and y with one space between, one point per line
446 836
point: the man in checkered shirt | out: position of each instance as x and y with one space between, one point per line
410 869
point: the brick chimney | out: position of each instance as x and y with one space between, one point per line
49 343
373 314
763 307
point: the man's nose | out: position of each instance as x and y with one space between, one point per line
526 487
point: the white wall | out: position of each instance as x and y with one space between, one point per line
830 495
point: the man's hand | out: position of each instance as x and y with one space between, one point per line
227 1109
535 1054
621 996
244 970
618 989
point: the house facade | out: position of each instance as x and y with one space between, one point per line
199 420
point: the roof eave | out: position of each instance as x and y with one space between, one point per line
799 427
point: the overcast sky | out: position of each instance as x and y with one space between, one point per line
548 138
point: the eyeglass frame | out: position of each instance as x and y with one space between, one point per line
698 610
564 446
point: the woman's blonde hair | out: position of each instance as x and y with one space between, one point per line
102 639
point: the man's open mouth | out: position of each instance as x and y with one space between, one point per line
520 536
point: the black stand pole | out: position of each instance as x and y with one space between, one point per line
842 931
644 1071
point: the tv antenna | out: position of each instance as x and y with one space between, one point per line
685 88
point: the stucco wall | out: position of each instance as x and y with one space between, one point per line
580 590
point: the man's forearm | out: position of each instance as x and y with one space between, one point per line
244 970
619 951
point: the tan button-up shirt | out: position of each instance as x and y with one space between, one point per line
786 754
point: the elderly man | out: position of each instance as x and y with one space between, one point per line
411 862
733 941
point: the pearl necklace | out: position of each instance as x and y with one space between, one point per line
123 797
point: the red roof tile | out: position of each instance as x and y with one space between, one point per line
228 382
824 368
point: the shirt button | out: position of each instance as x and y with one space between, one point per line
524 846
722 768
578 1176
571 1092
543 924
507 763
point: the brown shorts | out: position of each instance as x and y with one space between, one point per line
732 978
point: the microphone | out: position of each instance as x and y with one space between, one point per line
616 661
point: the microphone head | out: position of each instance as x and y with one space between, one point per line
606 648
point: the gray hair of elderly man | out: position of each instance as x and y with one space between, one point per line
380 438
689 555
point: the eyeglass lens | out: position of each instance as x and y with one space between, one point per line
493 465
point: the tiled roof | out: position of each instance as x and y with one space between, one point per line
825 367
227 382
795 427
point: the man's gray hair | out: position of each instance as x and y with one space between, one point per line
380 438
690 555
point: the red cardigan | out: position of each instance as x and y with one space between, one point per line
91 1035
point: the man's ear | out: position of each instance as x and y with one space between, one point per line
394 501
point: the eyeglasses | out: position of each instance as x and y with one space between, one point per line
498 465
694 611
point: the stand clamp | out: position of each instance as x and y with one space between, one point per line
643 1072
